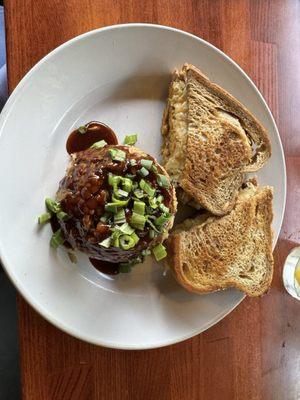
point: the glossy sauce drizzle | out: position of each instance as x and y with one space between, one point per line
84 137
77 141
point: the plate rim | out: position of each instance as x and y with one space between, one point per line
5 114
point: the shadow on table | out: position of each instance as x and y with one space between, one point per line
9 352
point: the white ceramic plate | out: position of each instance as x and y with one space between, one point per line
118 75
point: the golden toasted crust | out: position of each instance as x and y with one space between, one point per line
207 140
251 125
230 251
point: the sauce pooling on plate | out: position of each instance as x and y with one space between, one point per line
85 136
105 267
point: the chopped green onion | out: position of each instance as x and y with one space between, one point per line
163 208
132 162
105 243
113 180
152 234
126 229
146 252
62 216
130 139
137 221
160 221
135 237
99 144
117 154
138 193
42 219
119 217
52 205
159 252
127 184
162 180
149 211
126 242
154 169
122 193
115 238
139 207
153 202
154 228
57 239
82 129
160 198
112 207
147 188
130 176
118 202
146 163
143 171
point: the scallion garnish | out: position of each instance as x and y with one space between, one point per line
146 163
127 184
143 171
99 145
52 205
162 181
135 237
153 202
139 207
154 169
126 229
137 221
154 228
163 208
130 139
138 193
146 252
112 207
126 242
105 243
118 202
152 233
62 216
159 252
82 129
42 219
119 217
161 220
57 239
117 154
122 193
147 188
132 162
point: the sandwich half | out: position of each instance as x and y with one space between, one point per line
210 253
210 140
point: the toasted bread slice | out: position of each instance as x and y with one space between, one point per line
209 253
210 140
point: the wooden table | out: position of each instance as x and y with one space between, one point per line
254 352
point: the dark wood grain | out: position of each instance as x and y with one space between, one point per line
254 352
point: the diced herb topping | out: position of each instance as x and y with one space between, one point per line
130 139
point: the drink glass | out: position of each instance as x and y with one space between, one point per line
291 273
